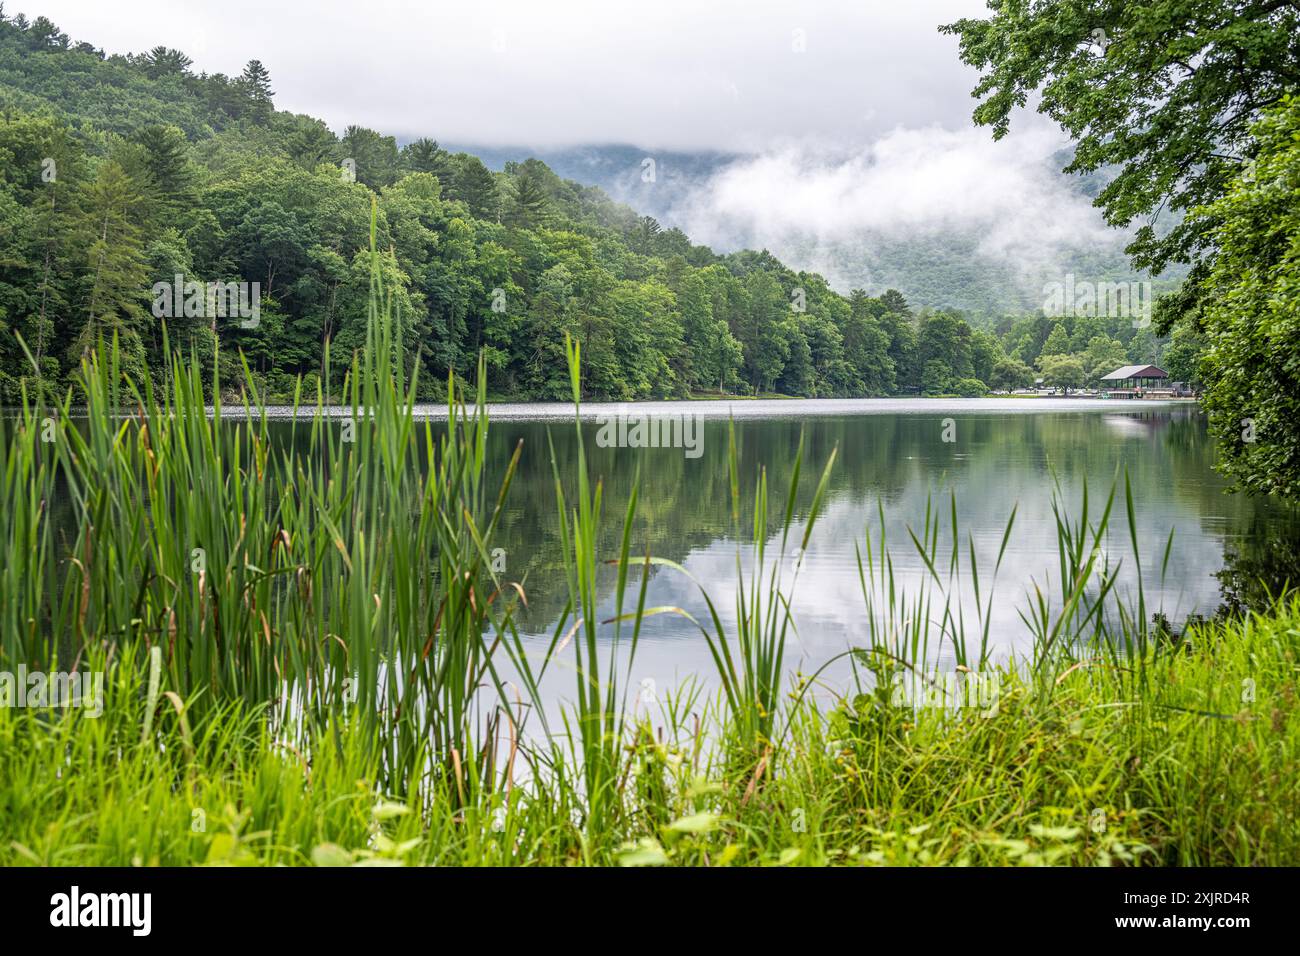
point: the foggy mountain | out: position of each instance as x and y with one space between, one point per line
951 219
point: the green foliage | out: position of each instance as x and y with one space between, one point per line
936 378
1062 371
1182 356
216 186
375 157
1193 104
1251 314
1092 775
1163 92
1010 374
250 603
255 83
1058 341
1103 356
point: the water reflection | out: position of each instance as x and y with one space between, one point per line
1227 549
896 459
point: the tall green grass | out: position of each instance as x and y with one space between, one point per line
1198 772
347 575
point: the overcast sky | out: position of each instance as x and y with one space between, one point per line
670 74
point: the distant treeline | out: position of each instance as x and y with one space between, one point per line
122 176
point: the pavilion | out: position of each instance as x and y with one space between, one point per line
1134 381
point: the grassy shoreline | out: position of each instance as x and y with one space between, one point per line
1186 774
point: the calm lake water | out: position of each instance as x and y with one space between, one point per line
893 458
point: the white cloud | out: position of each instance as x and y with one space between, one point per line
909 182
723 74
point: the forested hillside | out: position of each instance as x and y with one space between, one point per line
121 173
948 267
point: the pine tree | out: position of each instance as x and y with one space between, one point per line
163 61
530 206
426 156
169 178
116 283
475 186
375 156
893 301
1058 342
310 142
644 234
255 82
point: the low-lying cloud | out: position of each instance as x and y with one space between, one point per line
809 204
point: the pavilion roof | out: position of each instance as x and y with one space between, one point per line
1135 371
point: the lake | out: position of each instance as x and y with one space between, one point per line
894 457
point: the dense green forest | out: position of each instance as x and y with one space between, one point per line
121 173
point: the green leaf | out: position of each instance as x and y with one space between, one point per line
645 852
331 854
696 823
1054 833
386 810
